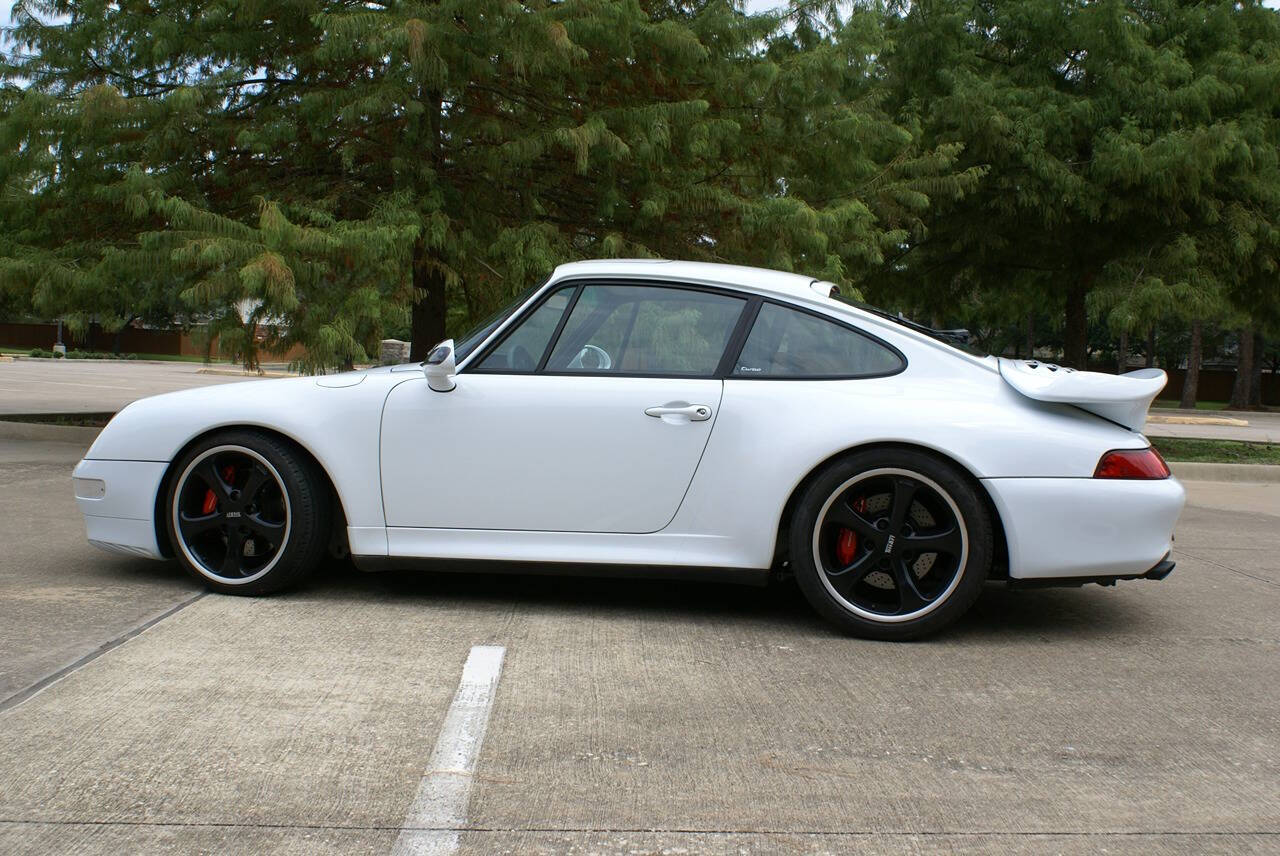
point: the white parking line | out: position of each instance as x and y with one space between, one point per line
440 808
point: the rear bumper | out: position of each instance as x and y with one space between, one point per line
118 501
1161 570
1060 529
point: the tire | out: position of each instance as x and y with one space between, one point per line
247 513
867 567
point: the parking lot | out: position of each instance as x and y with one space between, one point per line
630 717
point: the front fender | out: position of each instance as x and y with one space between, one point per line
337 425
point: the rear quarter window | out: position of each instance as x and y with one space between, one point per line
788 343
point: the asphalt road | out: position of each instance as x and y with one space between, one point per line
630 717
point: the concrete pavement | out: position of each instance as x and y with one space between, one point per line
635 717
92 386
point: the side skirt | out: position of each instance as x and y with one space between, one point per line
738 576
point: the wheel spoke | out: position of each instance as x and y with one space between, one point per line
910 598
207 472
264 529
947 541
841 514
846 579
193 525
859 567
258 476
232 563
904 492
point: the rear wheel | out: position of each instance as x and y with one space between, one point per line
891 544
247 513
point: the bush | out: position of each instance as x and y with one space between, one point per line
97 355
79 355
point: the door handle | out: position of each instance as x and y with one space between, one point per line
693 412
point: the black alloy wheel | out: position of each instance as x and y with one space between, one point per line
247 513
891 545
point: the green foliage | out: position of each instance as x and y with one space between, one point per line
74 354
326 173
1131 155
287 172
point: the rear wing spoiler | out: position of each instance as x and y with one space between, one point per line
1123 399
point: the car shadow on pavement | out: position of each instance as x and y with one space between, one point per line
1051 614
999 614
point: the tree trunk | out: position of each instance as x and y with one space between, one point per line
1122 353
1076 335
1255 381
1244 372
1151 346
429 306
430 302
1191 382
1031 335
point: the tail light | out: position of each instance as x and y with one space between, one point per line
1132 464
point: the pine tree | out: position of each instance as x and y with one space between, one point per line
1130 148
314 170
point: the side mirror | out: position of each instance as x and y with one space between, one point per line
440 367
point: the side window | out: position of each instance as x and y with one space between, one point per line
521 350
636 329
787 343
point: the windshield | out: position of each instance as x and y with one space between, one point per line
958 338
481 331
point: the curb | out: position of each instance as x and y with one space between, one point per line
1193 471
48 433
1159 419
251 375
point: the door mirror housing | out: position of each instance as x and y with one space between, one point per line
440 367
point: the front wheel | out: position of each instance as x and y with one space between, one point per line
247 513
891 544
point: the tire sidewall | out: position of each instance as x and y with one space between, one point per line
962 492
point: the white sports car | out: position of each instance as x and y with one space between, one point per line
660 418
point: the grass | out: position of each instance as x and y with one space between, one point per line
1216 451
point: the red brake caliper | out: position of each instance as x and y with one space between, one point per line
847 541
210 499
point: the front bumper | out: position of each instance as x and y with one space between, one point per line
1091 528
118 501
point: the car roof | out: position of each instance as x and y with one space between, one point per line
753 278
810 290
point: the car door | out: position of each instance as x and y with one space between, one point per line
590 415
